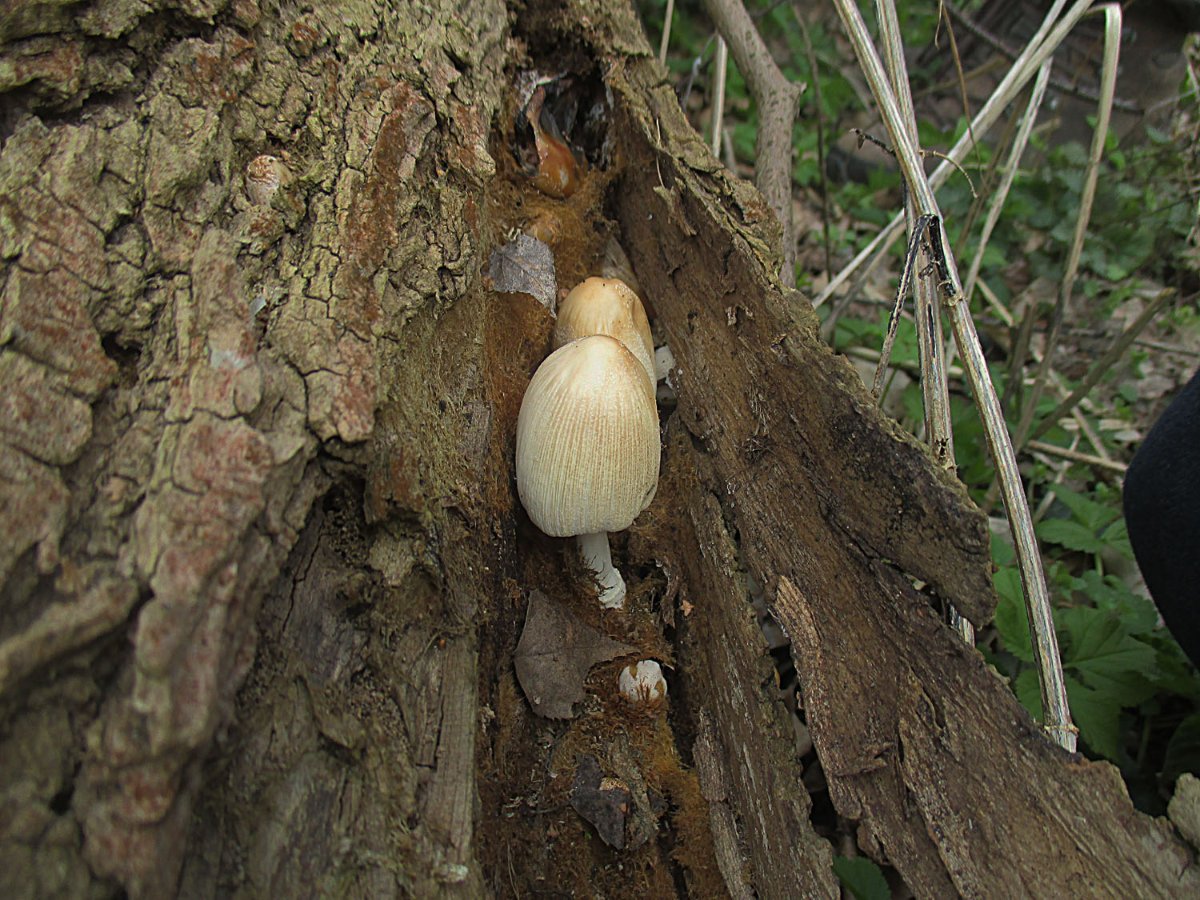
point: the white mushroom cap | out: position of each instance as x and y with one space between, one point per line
587 439
643 682
606 306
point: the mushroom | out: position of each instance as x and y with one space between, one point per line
643 683
606 306
588 449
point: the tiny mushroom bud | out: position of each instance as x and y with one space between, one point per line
606 306
664 362
643 683
588 449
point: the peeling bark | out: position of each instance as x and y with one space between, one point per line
262 567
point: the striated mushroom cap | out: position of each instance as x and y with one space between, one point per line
587 439
606 306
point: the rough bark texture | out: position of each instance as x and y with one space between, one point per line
178 343
262 569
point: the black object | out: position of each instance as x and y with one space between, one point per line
1162 512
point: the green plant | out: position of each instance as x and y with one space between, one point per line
861 877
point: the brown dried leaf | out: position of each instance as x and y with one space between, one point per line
605 802
554 655
525 265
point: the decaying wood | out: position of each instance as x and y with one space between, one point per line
260 576
746 749
949 779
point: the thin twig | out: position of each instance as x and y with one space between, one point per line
936 395
685 96
993 301
917 235
778 101
1075 456
829 328
1166 348
935 392
820 111
718 115
668 17
866 136
1066 87
943 15
871 355
728 155
1108 83
1008 174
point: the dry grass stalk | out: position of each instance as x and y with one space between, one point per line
1108 85
1041 46
1053 688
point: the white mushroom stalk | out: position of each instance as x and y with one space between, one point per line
664 362
588 449
597 557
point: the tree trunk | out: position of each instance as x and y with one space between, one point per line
263 567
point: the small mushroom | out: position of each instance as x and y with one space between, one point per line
664 362
643 683
588 449
606 306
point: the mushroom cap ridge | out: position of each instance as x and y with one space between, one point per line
606 306
587 439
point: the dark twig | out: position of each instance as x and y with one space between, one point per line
916 235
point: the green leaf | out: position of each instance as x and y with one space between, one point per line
1116 536
1106 657
1176 674
1003 553
1073 154
1109 592
861 877
1096 716
1029 692
1086 510
1011 621
1071 535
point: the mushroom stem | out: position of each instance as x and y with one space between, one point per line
594 549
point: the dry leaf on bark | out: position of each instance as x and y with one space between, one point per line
554 655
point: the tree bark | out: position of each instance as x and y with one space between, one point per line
262 566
